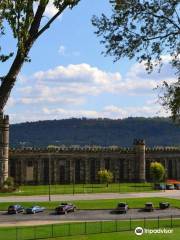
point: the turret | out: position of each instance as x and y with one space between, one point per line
139 147
4 147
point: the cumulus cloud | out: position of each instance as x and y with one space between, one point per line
64 91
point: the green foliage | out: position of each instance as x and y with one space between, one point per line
146 30
157 171
105 176
9 182
24 18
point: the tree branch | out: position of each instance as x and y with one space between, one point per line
168 19
48 24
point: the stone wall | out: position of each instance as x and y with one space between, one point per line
80 165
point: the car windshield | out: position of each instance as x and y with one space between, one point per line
121 205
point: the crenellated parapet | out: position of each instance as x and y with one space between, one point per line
70 150
94 149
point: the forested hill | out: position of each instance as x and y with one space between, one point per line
155 131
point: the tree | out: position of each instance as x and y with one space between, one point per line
25 21
146 30
105 176
157 171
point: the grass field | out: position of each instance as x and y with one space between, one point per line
101 204
77 230
81 188
129 235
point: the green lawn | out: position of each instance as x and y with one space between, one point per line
125 235
81 188
101 203
78 230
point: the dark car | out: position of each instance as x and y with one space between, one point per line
160 186
64 208
177 186
34 209
170 186
15 209
164 205
149 207
122 207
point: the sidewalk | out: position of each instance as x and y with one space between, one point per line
175 194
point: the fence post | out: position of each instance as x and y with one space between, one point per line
34 232
130 224
85 227
116 224
69 229
16 233
171 221
144 222
52 230
101 229
158 221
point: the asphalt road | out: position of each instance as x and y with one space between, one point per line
91 196
84 215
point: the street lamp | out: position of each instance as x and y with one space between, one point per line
49 182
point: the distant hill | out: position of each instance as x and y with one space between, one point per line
104 132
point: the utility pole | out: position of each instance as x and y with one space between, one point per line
49 177
74 177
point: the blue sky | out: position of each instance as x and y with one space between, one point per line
69 77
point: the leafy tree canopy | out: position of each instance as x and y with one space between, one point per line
106 176
147 30
157 171
24 17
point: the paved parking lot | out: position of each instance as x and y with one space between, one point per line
86 215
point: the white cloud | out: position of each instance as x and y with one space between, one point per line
50 11
62 50
65 53
64 91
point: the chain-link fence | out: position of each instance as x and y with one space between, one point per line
84 228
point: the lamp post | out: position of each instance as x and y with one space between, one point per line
73 177
49 182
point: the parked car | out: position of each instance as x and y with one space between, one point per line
122 207
170 186
64 208
164 205
15 209
149 207
177 186
160 186
34 209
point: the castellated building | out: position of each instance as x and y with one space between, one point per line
81 164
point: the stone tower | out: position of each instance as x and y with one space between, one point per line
4 147
139 147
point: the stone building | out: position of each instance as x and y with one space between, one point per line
80 165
